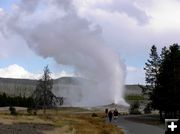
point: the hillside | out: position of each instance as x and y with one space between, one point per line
26 86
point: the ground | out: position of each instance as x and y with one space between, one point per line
140 124
57 121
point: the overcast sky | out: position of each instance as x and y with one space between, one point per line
130 27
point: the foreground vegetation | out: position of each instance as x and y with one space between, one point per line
59 121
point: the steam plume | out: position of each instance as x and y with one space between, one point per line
53 28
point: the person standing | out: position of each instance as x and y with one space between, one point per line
116 114
106 112
110 115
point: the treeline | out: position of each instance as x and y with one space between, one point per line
41 98
163 81
20 101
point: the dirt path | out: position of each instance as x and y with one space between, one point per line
137 128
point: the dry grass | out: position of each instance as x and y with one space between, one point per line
66 121
84 123
9 119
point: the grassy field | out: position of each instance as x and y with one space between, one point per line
61 121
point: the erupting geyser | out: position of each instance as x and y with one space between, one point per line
53 28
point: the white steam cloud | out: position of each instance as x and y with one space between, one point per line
52 28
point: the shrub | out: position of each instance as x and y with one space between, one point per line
124 113
35 112
12 110
94 115
147 109
134 108
136 111
29 110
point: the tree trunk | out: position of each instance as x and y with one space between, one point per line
44 110
161 117
175 114
44 104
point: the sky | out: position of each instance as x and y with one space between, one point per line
129 27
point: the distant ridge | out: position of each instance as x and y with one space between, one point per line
26 86
64 80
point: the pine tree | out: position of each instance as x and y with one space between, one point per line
151 72
43 94
165 84
151 68
166 94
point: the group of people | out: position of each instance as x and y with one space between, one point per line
110 114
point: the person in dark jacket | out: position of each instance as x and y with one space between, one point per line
116 114
106 112
110 115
